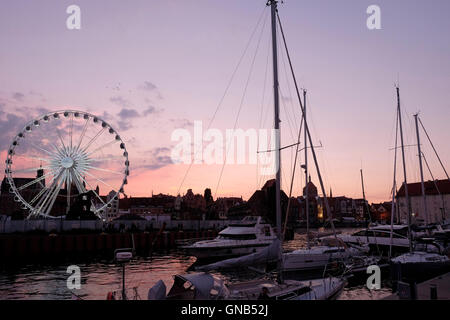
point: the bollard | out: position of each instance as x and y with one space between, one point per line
166 240
433 292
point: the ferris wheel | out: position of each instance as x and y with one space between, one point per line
61 156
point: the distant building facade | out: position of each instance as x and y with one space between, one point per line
381 212
112 212
222 206
437 200
341 207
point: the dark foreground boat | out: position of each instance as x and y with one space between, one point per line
204 286
417 267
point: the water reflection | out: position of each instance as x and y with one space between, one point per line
99 278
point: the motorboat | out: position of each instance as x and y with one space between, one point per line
317 259
250 235
204 286
378 238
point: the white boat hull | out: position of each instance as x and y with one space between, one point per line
309 262
235 250
378 243
317 289
249 236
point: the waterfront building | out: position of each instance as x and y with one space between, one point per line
223 205
437 201
113 211
310 192
381 212
341 207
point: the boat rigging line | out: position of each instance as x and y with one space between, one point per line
226 89
368 211
327 205
292 179
434 149
244 94
436 186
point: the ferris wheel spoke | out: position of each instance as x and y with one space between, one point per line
93 139
92 189
102 147
44 199
34 158
61 139
104 170
40 193
35 181
55 147
98 179
78 184
82 134
53 198
71 130
30 169
45 189
69 190
39 148
106 158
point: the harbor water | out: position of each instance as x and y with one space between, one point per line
100 277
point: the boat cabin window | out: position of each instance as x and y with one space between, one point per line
334 251
381 234
237 236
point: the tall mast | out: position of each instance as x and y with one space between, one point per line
313 152
394 188
364 195
273 7
306 170
405 183
424 199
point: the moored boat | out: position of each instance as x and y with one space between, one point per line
204 286
317 259
249 236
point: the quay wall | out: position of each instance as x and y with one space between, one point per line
59 226
16 248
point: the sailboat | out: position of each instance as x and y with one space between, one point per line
204 286
415 266
331 252
329 256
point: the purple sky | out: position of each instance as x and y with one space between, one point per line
149 67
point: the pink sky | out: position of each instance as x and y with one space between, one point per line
150 67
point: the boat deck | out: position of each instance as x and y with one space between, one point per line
252 289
